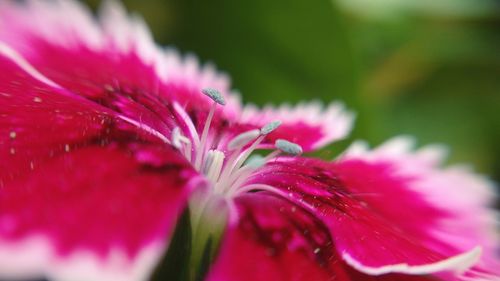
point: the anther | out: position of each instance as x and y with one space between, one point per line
288 147
255 161
243 139
269 127
215 95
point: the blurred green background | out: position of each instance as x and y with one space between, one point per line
428 68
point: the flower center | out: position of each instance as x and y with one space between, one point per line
228 163
228 167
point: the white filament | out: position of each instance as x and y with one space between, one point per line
243 139
227 170
201 148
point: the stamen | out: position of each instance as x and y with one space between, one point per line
200 150
255 161
187 151
188 122
213 165
288 147
208 161
238 158
215 95
239 177
176 138
243 139
268 128
230 177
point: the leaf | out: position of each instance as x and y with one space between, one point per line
275 51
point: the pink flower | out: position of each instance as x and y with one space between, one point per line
105 139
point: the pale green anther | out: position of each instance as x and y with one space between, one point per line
243 139
255 161
269 127
214 95
288 147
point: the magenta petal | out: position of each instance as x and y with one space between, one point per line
464 196
82 193
378 223
113 62
275 240
116 63
311 125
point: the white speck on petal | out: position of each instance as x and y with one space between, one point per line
37 99
13 135
108 88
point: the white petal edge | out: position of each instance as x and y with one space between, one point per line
458 264
334 119
456 189
427 162
34 258
69 24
